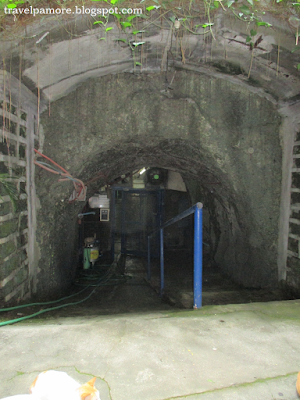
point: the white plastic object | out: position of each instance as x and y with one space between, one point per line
99 201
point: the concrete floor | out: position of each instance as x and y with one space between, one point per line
248 351
145 349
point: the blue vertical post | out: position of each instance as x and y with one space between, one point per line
198 256
149 260
162 272
123 224
113 223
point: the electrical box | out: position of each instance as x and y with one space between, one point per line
104 214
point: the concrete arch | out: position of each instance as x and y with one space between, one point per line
223 137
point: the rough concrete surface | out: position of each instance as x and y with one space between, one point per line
248 351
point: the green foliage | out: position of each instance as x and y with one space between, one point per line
262 23
126 24
245 10
9 188
184 13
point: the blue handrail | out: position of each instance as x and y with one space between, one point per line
197 211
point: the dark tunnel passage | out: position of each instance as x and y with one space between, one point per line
205 131
135 202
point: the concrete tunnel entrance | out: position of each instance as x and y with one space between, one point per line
220 137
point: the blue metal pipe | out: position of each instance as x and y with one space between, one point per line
162 265
197 210
113 224
87 213
198 256
178 217
149 260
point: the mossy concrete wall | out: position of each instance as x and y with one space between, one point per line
217 132
17 190
14 271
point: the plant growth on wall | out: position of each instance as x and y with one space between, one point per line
180 15
9 188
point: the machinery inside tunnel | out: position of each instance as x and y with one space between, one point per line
116 222
212 133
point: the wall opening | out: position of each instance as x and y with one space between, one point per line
204 130
127 239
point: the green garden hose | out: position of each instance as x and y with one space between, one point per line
101 282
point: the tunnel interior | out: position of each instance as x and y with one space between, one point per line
220 138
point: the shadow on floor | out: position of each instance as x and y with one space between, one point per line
217 288
124 288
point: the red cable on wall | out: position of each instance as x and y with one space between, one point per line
79 186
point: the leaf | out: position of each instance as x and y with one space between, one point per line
262 23
250 2
248 39
229 3
296 48
114 2
118 16
207 24
136 32
98 22
172 19
152 8
253 32
9 188
126 24
216 4
12 5
109 29
245 10
298 67
121 40
131 17
138 63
